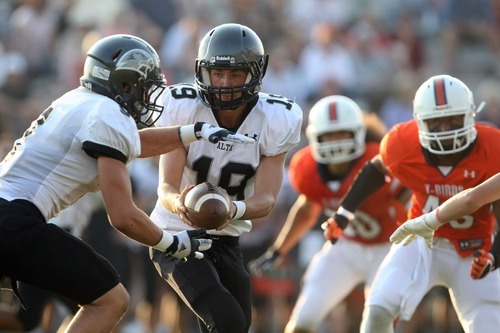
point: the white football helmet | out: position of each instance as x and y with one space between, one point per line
444 96
333 114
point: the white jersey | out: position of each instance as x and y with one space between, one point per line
51 166
275 122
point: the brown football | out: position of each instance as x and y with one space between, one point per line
208 206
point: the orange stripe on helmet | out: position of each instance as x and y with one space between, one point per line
333 111
440 92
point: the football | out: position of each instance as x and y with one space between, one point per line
208 206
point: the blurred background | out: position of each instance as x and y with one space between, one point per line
376 52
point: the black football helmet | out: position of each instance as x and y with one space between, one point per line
235 47
126 69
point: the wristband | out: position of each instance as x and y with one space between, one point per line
187 134
344 212
165 241
438 218
432 220
241 208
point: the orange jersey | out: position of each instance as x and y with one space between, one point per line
376 218
403 156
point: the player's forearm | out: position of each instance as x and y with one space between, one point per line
300 220
137 225
159 140
456 207
470 200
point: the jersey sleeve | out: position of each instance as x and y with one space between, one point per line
111 133
398 146
284 125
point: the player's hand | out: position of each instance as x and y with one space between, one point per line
187 244
215 134
424 226
264 263
334 227
483 263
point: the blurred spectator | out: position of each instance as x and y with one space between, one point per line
374 67
179 47
398 107
6 143
326 63
468 21
306 14
488 91
282 68
407 44
34 23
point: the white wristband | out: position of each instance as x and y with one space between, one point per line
165 241
347 214
431 220
241 208
187 134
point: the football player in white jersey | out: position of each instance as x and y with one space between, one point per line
81 143
229 69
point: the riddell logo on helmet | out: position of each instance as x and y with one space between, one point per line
227 58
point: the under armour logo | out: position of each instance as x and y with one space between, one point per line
469 174
253 136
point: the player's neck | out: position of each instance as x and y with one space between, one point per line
231 118
447 160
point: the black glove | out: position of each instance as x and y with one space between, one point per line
186 245
215 134
264 263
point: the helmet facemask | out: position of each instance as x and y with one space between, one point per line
340 150
448 142
141 100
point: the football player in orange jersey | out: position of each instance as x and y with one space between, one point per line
461 204
437 155
322 173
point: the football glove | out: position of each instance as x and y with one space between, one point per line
334 227
264 263
186 244
424 226
210 133
215 134
483 263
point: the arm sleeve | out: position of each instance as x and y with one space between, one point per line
367 182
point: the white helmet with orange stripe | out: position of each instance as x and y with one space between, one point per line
444 109
336 114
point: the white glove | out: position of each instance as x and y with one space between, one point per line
210 133
424 226
186 244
